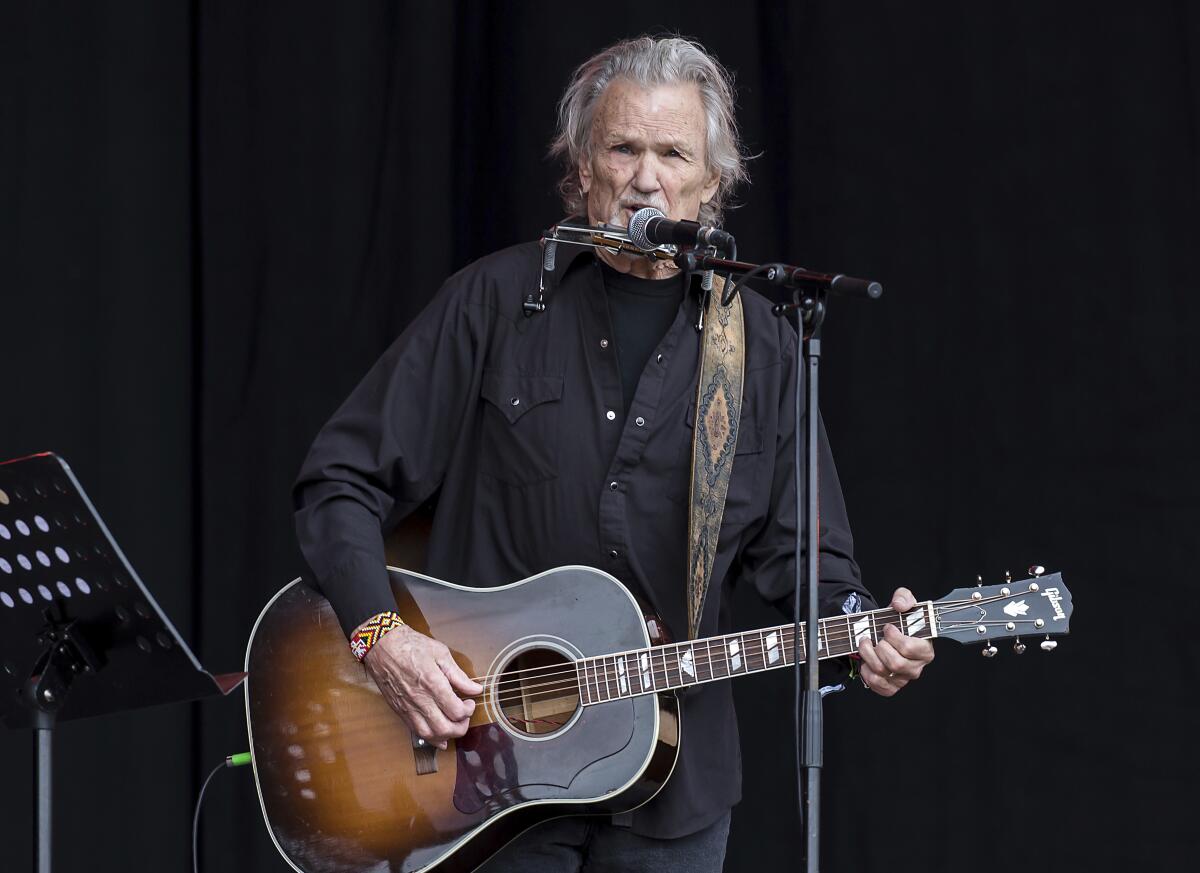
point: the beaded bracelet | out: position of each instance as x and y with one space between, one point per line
370 631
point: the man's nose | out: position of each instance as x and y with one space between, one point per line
645 179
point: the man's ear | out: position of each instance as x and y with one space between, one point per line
710 186
585 174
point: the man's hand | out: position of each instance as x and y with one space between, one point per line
897 659
420 680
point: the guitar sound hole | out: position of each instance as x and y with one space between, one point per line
537 692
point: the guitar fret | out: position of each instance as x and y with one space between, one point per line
715 660
580 684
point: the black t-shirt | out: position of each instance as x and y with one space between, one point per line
642 311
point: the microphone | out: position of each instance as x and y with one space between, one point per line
649 228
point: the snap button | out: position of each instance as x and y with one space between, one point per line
660 359
613 486
613 553
603 343
516 401
639 421
610 415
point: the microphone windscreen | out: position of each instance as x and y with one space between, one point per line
549 250
638 223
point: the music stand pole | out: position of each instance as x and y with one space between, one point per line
43 744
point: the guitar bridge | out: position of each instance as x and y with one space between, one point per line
424 756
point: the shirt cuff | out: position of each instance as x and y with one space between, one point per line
357 589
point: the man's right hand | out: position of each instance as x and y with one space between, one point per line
419 679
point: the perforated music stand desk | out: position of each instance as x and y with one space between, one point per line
79 633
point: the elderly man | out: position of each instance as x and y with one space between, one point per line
565 438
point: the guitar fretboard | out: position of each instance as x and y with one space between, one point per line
678 665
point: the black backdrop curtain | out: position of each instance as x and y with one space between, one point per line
215 216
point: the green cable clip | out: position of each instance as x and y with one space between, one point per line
241 759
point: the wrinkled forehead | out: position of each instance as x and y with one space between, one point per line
670 114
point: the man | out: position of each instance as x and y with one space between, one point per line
565 438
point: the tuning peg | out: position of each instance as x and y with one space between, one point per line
1019 647
1007 576
1037 570
1049 645
978 581
989 651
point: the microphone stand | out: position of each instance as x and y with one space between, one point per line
809 298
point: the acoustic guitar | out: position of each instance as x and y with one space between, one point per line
579 713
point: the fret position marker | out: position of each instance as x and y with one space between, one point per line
735 660
772 647
646 671
862 628
621 676
915 622
685 663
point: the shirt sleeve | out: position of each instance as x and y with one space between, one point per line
768 558
385 451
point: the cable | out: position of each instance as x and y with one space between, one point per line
239 760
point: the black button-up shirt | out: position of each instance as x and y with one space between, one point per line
520 427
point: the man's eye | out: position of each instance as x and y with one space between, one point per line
623 149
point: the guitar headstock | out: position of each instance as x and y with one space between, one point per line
1034 609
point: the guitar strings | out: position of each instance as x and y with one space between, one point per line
671 661
841 634
836 636
828 639
598 671
757 658
606 675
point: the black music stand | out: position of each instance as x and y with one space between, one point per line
79 633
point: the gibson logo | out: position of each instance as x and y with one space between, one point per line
1055 599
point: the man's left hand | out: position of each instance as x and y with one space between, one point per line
897 659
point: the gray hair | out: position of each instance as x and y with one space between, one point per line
651 61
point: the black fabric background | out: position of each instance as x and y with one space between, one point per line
214 217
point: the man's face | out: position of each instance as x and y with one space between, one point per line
648 149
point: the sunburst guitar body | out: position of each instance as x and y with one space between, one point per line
346 786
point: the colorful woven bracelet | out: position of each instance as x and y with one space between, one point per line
369 632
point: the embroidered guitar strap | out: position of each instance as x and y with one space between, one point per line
718 413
